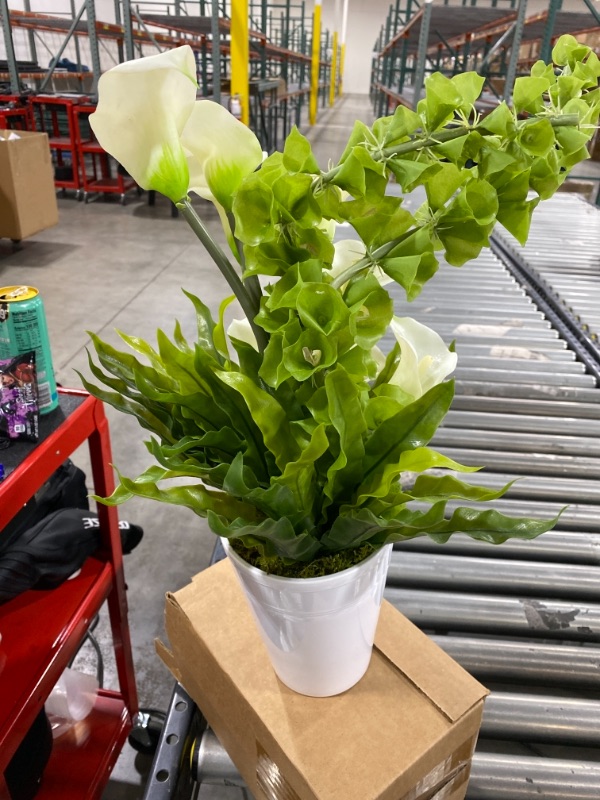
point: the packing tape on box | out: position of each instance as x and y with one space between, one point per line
270 778
440 781
438 784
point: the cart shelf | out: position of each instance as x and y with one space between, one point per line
42 630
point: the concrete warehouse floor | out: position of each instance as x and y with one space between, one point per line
104 267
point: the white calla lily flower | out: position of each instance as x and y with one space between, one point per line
378 357
148 118
424 358
241 329
222 152
348 252
142 110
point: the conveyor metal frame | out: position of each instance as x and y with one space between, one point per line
523 617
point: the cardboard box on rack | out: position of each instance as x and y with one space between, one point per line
27 193
406 731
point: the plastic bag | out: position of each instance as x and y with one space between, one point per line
19 408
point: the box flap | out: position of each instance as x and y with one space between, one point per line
168 659
428 667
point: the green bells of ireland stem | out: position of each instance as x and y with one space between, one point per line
291 431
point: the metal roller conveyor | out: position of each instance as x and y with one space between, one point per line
510 577
523 663
503 364
568 426
464 373
512 388
552 350
509 777
514 441
574 517
529 487
527 463
493 776
562 253
515 406
531 718
498 615
564 548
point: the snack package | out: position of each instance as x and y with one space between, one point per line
19 409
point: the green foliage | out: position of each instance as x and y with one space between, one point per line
308 453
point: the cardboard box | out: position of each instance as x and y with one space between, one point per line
27 193
406 731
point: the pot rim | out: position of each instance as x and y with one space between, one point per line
321 582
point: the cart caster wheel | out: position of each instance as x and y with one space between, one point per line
122 200
145 734
86 198
139 191
16 242
78 195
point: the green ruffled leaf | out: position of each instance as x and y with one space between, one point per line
444 184
469 86
267 414
360 175
412 427
528 94
442 99
346 414
378 222
321 308
312 352
370 317
254 211
396 128
501 121
297 153
295 201
568 51
195 497
360 135
489 526
537 138
299 476
432 488
276 537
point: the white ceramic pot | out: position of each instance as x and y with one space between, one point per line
319 631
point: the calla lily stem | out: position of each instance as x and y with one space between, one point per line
248 303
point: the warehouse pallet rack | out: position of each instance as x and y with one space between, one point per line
15 113
42 630
99 174
55 115
279 50
418 38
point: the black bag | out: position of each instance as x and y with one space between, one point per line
49 552
65 489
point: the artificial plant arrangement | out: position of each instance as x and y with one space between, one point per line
301 442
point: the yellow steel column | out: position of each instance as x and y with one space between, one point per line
315 64
343 47
240 55
334 60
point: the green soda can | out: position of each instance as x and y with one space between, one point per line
23 328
